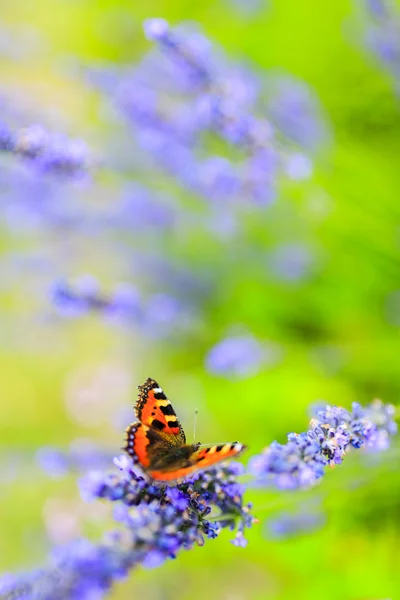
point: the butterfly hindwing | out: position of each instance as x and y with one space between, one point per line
200 459
154 410
136 444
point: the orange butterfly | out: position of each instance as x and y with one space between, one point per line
157 442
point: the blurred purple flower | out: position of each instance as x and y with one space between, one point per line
217 178
153 559
52 461
378 8
382 35
239 540
296 112
289 524
241 356
6 138
30 200
290 262
79 570
384 43
75 302
260 176
80 456
48 153
186 47
139 210
159 315
298 166
125 304
156 29
185 89
304 458
164 315
86 297
249 8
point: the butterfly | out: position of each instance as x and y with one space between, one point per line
157 443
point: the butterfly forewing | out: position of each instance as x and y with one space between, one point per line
155 410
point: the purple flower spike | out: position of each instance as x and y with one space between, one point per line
304 458
54 154
6 138
159 315
155 29
186 89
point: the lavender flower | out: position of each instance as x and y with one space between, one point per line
32 200
249 8
86 297
156 524
290 262
304 458
191 53
295 111
80 456
241 355
186 89
289 524
78 571
139 209
6 138
378 8
382 35
214 489
52 461
47 153
158 315
81 300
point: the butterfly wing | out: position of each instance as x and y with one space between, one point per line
154 410
199 459
137 443
157 441
157 430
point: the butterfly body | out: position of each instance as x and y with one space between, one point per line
157 442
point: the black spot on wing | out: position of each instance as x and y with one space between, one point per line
157 424
160 395
167 410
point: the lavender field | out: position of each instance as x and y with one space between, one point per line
205 194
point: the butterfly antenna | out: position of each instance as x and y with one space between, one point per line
196 412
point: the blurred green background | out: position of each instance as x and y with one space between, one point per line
339 328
